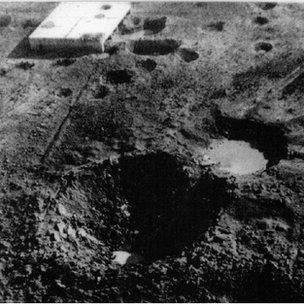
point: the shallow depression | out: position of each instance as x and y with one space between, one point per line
236 157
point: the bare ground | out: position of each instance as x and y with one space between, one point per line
98 154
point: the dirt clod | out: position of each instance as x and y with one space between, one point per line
188 55
263 46
100 91
65 92
25 65
48 24
116 48
61 210
217 26
261 20
3 71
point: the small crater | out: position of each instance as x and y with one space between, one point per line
30 23
149 64
155 47
261 20
167 213
201 4
267 5
155 25
124 258
99 16
65 92
64 62
217 26
272 143
136 20
120 76
4 70
5 20
49 24
188 55
263 46
106 7
25 65
100 91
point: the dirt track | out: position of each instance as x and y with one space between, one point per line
98 154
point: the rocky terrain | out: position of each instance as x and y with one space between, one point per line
102 153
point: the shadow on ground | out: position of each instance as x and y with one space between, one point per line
167 211
23 50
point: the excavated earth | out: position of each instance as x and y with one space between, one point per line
102 153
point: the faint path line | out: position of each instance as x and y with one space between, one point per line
65 120
288 79
73 27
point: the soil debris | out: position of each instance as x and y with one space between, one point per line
108 193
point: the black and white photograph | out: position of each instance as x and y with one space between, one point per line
151 152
